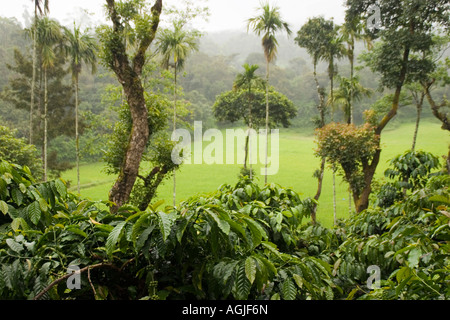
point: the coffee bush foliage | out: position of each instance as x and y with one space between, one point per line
242 241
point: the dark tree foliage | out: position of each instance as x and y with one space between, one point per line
400 64
61 117
230 106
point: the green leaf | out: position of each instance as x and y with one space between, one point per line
34 212
156 205
236 227
139 222
165 224
76 229
322 265
250 269
243 285
17 222
17 196
276 296
414 256
43 204
143 237
287 213
352 294
269 265
279 218
181 228
298 280
288 290
113 237
271 247
222 224
61 188
22 188
249 190
402 274
440 198
258 233
15 246
3 207
3 189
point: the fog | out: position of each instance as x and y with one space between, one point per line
224 15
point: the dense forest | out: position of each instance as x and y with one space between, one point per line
117 95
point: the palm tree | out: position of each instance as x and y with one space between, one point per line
175 45
334 50
349 91
81 48
48 34
248 80
351 31
314 36
42 8
267 24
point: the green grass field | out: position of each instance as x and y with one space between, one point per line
296 168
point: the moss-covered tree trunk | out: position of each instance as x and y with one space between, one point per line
129 75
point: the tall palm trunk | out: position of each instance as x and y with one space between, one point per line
250 126
174 128
45 122
267 119
352 75
33 79
332 120
351 119
77 136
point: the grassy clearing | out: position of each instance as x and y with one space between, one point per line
297 165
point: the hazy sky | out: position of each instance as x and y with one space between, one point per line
225 14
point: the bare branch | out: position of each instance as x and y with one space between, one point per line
54 283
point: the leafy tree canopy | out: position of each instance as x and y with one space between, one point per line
231 106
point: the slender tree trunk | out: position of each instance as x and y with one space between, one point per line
174 128
319 191
334 195
45 122
351 119
267 119
77 136
250 126
332 120
246 150
321 107
352 75
419 104
33 79
448 161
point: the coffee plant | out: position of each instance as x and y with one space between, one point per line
241 242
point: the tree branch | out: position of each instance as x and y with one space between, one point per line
435 107
139 58
54 283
